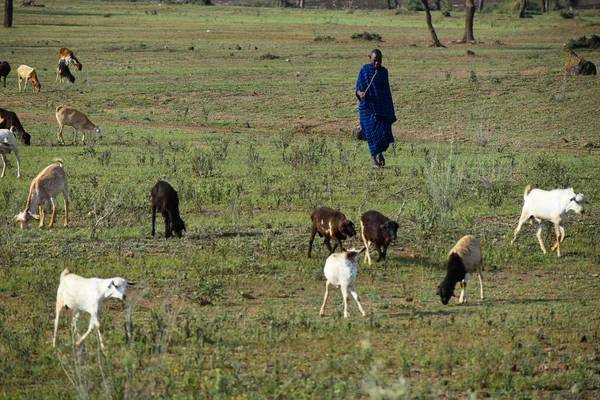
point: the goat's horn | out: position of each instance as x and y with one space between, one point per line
129 283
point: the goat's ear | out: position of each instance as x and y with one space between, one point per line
112 284
129 283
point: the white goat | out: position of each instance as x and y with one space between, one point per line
86 294
25 73
552 205
76 119
46 187
463 259
8 143
340 270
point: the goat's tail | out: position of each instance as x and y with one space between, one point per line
527 190
60 162
59 108
64 273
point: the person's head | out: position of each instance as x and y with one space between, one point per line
376 58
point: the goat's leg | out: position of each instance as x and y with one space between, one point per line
54 207
366 242
345 297
338 242
380 253
355 295
57 75
90 327
75 135
463 288
4 161
311 240
59 307
60 137
328 245
538 233
168 233
480 285
153 218
42 212
325 299
66 202
524 217
18 163
557 244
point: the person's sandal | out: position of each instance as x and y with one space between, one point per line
375 163
380 160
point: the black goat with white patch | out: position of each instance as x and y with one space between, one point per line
9 120
63 72
379 230
330 224
166 201
464 258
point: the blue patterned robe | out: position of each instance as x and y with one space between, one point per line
376 110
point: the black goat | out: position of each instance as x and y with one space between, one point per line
330 223
165 200
4 70
63 72
9 120
379 230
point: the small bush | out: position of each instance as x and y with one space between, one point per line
567 14
584 43
269 56
368 36
324 39
414 5
203 164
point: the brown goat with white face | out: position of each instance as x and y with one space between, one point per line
26 73
45 188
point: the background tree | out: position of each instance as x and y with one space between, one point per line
545 6
436 41
481 5
468 37
522 8
8 13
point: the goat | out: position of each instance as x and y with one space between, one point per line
165 200
63 71
340 270
9 120
78 120
4 70
68 57
25 73
8 143
463 259
46 187
379 230
330 223
553 205
87 294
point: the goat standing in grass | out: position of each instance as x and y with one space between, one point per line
26 73
76 119
166 201
63 72
8 143
379 230
45 188
66 55
10 120
340 270
464 259
86 294
553 205
4 70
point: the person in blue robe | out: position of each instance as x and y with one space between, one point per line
376 108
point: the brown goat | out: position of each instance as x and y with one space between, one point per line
68 57
330 224
9 120
166 201
379 230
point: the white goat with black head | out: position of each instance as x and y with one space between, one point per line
553 205
340 270
463 259
8 144
86 294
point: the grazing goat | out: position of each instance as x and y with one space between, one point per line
46 187
63 72
9 120
379 230
87 294
4 70
340 270
165 200
8 143
66 55
25 73
330 223
553 205
464 259
76 119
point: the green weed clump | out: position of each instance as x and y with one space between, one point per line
368 36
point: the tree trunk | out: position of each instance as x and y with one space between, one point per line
300 4
8 13
545 6
522 7
438 5
469 16
480 5
436 41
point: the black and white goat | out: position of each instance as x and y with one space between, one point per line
465 258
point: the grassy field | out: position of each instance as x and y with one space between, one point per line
250 117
